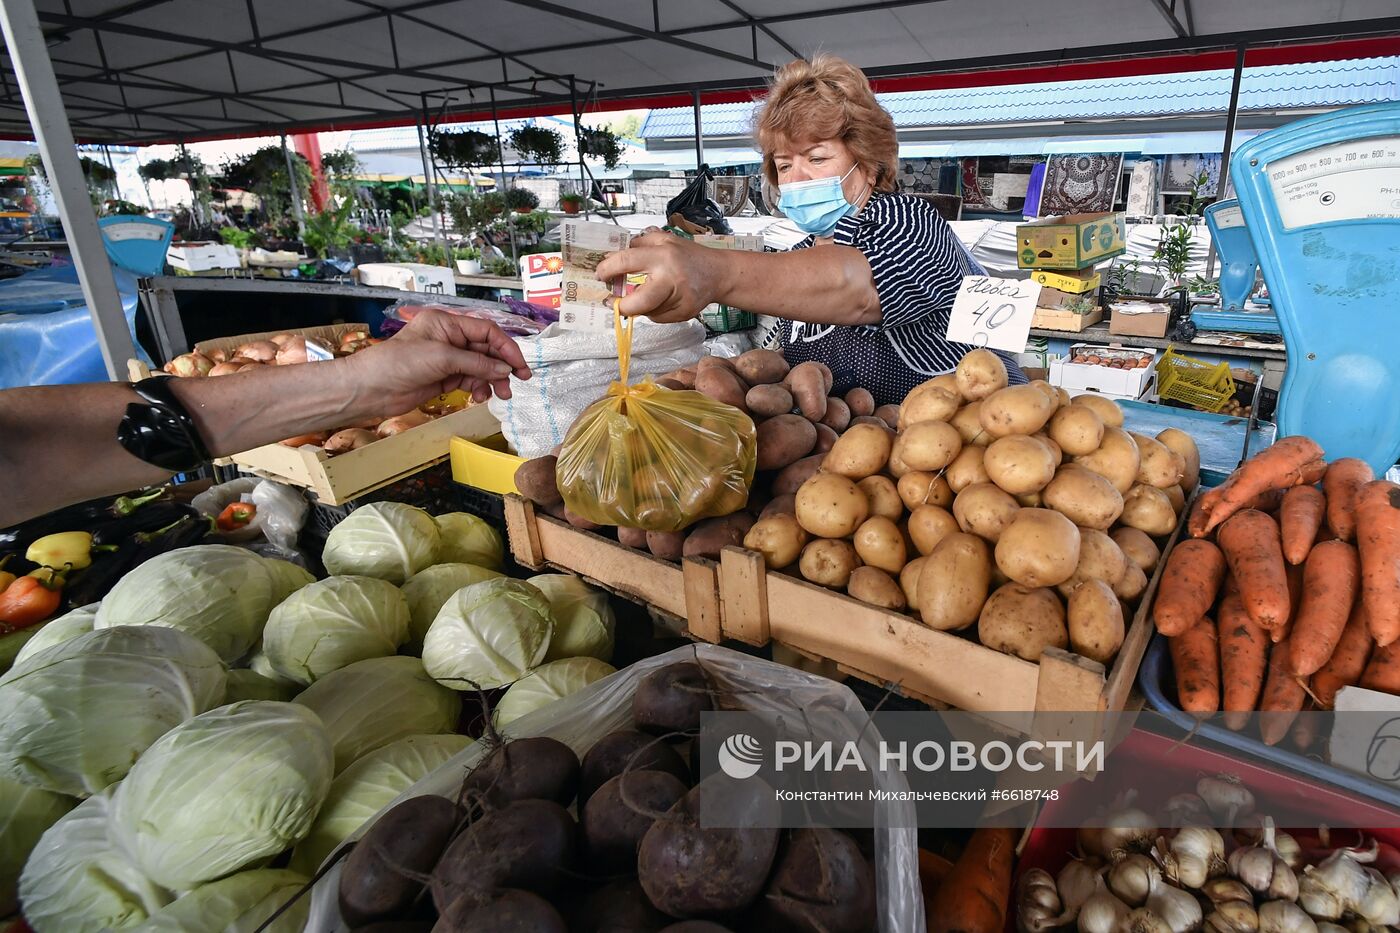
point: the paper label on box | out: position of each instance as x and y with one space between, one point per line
586 303
1366 733
994 313
315 353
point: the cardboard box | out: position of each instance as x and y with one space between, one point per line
409 277
1143 324
1096 377
1076 283
1071 242
202 257
1069 321
327 333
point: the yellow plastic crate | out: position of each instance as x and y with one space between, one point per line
1195 382
486 464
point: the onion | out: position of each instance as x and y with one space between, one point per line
1233 917
347 440
1176 907
1131 878
191 364
225 369
1037 903
263 351
282 340
1284 917
1226 797
1102 912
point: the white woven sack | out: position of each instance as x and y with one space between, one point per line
572 369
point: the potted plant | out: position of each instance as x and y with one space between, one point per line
465 150
522 200
570 202
601 143
505 268
538 144
468 260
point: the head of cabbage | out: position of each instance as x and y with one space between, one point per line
236 784
583 617
369 785
334 622
466 539
26 813
240 903
488 635
217 593
78 880
78 714
388 540
245 684
57 631
371 703
427 591
551 681
287 578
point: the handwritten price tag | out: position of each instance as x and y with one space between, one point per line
995 313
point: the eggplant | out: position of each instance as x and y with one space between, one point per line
96 581
80 517
147 518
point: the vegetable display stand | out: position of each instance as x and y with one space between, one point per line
336 480
688 591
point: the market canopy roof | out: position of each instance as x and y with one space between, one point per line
159 70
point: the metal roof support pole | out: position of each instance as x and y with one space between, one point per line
116 182
699 130
438 236
501 152
48 118
577 113
294 191
1229 141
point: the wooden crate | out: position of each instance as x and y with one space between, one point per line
337 480
688 591
745 602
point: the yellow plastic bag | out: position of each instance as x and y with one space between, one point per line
658 459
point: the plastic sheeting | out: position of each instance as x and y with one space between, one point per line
46 333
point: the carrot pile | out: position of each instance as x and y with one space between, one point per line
1287 591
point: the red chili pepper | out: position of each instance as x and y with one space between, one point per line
236 515
29 600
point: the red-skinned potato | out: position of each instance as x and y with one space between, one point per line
792 476
721 384
713 535
826 439
784 440
762 367
890 415
808 384
632 537
536 480
784 504
767 401
578 521
667 545
838 415
860 402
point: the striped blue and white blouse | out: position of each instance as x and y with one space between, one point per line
918 264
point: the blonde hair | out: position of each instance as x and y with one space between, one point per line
828 98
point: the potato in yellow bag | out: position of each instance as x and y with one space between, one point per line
648 457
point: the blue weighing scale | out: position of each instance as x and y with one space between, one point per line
1321 198
135 243
1238 267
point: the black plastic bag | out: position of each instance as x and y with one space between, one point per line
694 204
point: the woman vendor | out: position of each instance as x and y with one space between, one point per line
870 289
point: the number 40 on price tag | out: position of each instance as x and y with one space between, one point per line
995 313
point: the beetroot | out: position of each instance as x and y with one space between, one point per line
527 844
690 871
695 926
536 768
620 751
821 883
619 815
618 907
409 838
506 911
670 700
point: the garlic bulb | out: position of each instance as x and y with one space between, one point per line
1128 829
1223 890
1187 810
1328 890
1077 880
1194 856
1226 797
1284 917
1263 870
1378 905
1233 917
1037 903
1102 912
1289 850
1326 927
1131 878
1143 920
1180 911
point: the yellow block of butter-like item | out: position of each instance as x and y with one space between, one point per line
1073 282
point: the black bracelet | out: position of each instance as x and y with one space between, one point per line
162 433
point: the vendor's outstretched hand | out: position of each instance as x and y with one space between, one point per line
437 352
681 276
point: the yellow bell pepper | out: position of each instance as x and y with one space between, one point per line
6 578
72 549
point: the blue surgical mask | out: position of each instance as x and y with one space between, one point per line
815 205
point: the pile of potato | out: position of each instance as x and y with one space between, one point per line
1016 510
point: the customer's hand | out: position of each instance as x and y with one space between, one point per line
436 352
682 276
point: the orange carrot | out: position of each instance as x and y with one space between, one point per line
1348 661
974 897
1383 670
1244 657
1267 501
1196 659
1195 569
1294 572
1196 521
1299 517
1305 730
1378 539
1342 483
1329 591
1251 544
1289 462
1282 699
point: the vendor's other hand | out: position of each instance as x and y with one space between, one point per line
680 276
437 352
